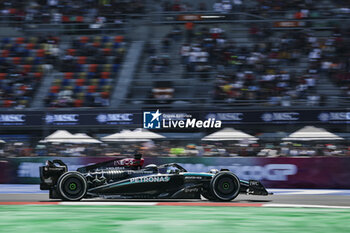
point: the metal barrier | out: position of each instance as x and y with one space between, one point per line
174 18
199 103
287 172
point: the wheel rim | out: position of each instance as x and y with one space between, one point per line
72 186
225 186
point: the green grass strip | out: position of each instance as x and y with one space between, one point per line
169 219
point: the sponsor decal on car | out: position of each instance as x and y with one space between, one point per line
193 177
130 172
126 162
150 179
191 190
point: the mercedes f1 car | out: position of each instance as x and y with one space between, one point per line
127 179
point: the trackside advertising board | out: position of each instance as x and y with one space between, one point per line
316 172
158 118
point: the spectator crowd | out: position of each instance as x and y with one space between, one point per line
69 11
274 69
177 149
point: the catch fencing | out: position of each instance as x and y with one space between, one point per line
301 172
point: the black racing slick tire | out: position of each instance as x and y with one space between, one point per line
72 186
225 186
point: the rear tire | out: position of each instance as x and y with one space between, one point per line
225 186
72 186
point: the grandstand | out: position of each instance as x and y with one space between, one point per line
96 57
87 72
24 63
232 58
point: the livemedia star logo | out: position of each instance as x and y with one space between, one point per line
155 120
152 120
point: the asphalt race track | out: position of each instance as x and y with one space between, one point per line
340 198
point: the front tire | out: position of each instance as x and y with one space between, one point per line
72 186
225 186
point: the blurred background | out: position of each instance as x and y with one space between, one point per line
75 77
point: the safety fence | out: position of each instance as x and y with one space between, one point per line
316 172
107 117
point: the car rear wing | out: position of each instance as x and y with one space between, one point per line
50 173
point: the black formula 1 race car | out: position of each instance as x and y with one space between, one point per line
126 179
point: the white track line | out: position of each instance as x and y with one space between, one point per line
309 191
100 203
306 206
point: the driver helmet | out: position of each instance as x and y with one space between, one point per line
151 167
214 171
171 170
